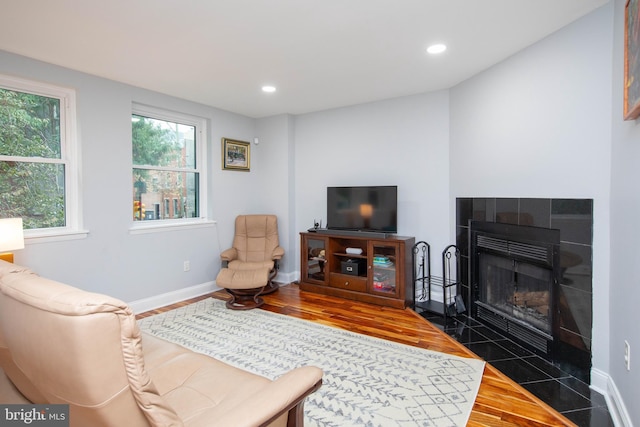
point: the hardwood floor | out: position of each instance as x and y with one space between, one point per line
500 401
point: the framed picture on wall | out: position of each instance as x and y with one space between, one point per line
236 155
631 61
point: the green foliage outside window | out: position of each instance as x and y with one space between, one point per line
31 170
153 145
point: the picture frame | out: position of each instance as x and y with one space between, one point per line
236 155
631 60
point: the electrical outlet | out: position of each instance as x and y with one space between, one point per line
627 355
186 266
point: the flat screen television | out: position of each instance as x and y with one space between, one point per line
363 208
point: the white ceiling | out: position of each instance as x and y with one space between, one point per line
319 54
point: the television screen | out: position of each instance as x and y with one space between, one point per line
363 208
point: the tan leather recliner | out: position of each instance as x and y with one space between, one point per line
252 262
60 344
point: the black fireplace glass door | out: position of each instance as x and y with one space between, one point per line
518 290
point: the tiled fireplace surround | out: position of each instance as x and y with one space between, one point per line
574 219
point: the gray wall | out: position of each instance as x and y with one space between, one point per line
275 181
624 296
401 142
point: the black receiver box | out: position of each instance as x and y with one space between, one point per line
354 267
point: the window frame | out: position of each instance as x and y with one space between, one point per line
69 157
200 124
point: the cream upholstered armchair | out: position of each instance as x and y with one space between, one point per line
252 262
64 345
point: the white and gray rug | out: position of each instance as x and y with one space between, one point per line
367 381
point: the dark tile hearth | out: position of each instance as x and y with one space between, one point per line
562 386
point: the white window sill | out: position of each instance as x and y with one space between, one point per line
54 236
159 226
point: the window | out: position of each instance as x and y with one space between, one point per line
176 208
168 153
38 156
167 213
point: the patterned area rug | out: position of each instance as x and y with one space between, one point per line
367 381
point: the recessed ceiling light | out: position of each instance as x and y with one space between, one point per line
268 89
436 48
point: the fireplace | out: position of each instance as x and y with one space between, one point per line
514 271
570 263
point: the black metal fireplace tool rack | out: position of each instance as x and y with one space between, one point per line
424 282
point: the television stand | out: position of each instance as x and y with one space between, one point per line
355 233
380 274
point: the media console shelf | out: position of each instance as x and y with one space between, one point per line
380 274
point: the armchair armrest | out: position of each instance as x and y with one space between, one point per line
277 253
284 395
229 254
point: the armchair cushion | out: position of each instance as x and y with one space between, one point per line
256 238
243 279
248 266
184 379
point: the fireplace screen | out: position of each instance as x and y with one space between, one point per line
517 289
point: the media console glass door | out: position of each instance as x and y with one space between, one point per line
315 268
384 280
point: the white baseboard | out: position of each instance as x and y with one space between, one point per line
151 303
599 381
286 278
603 384
146 304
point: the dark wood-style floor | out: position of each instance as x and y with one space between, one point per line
500 401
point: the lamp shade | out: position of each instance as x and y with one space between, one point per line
11 234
